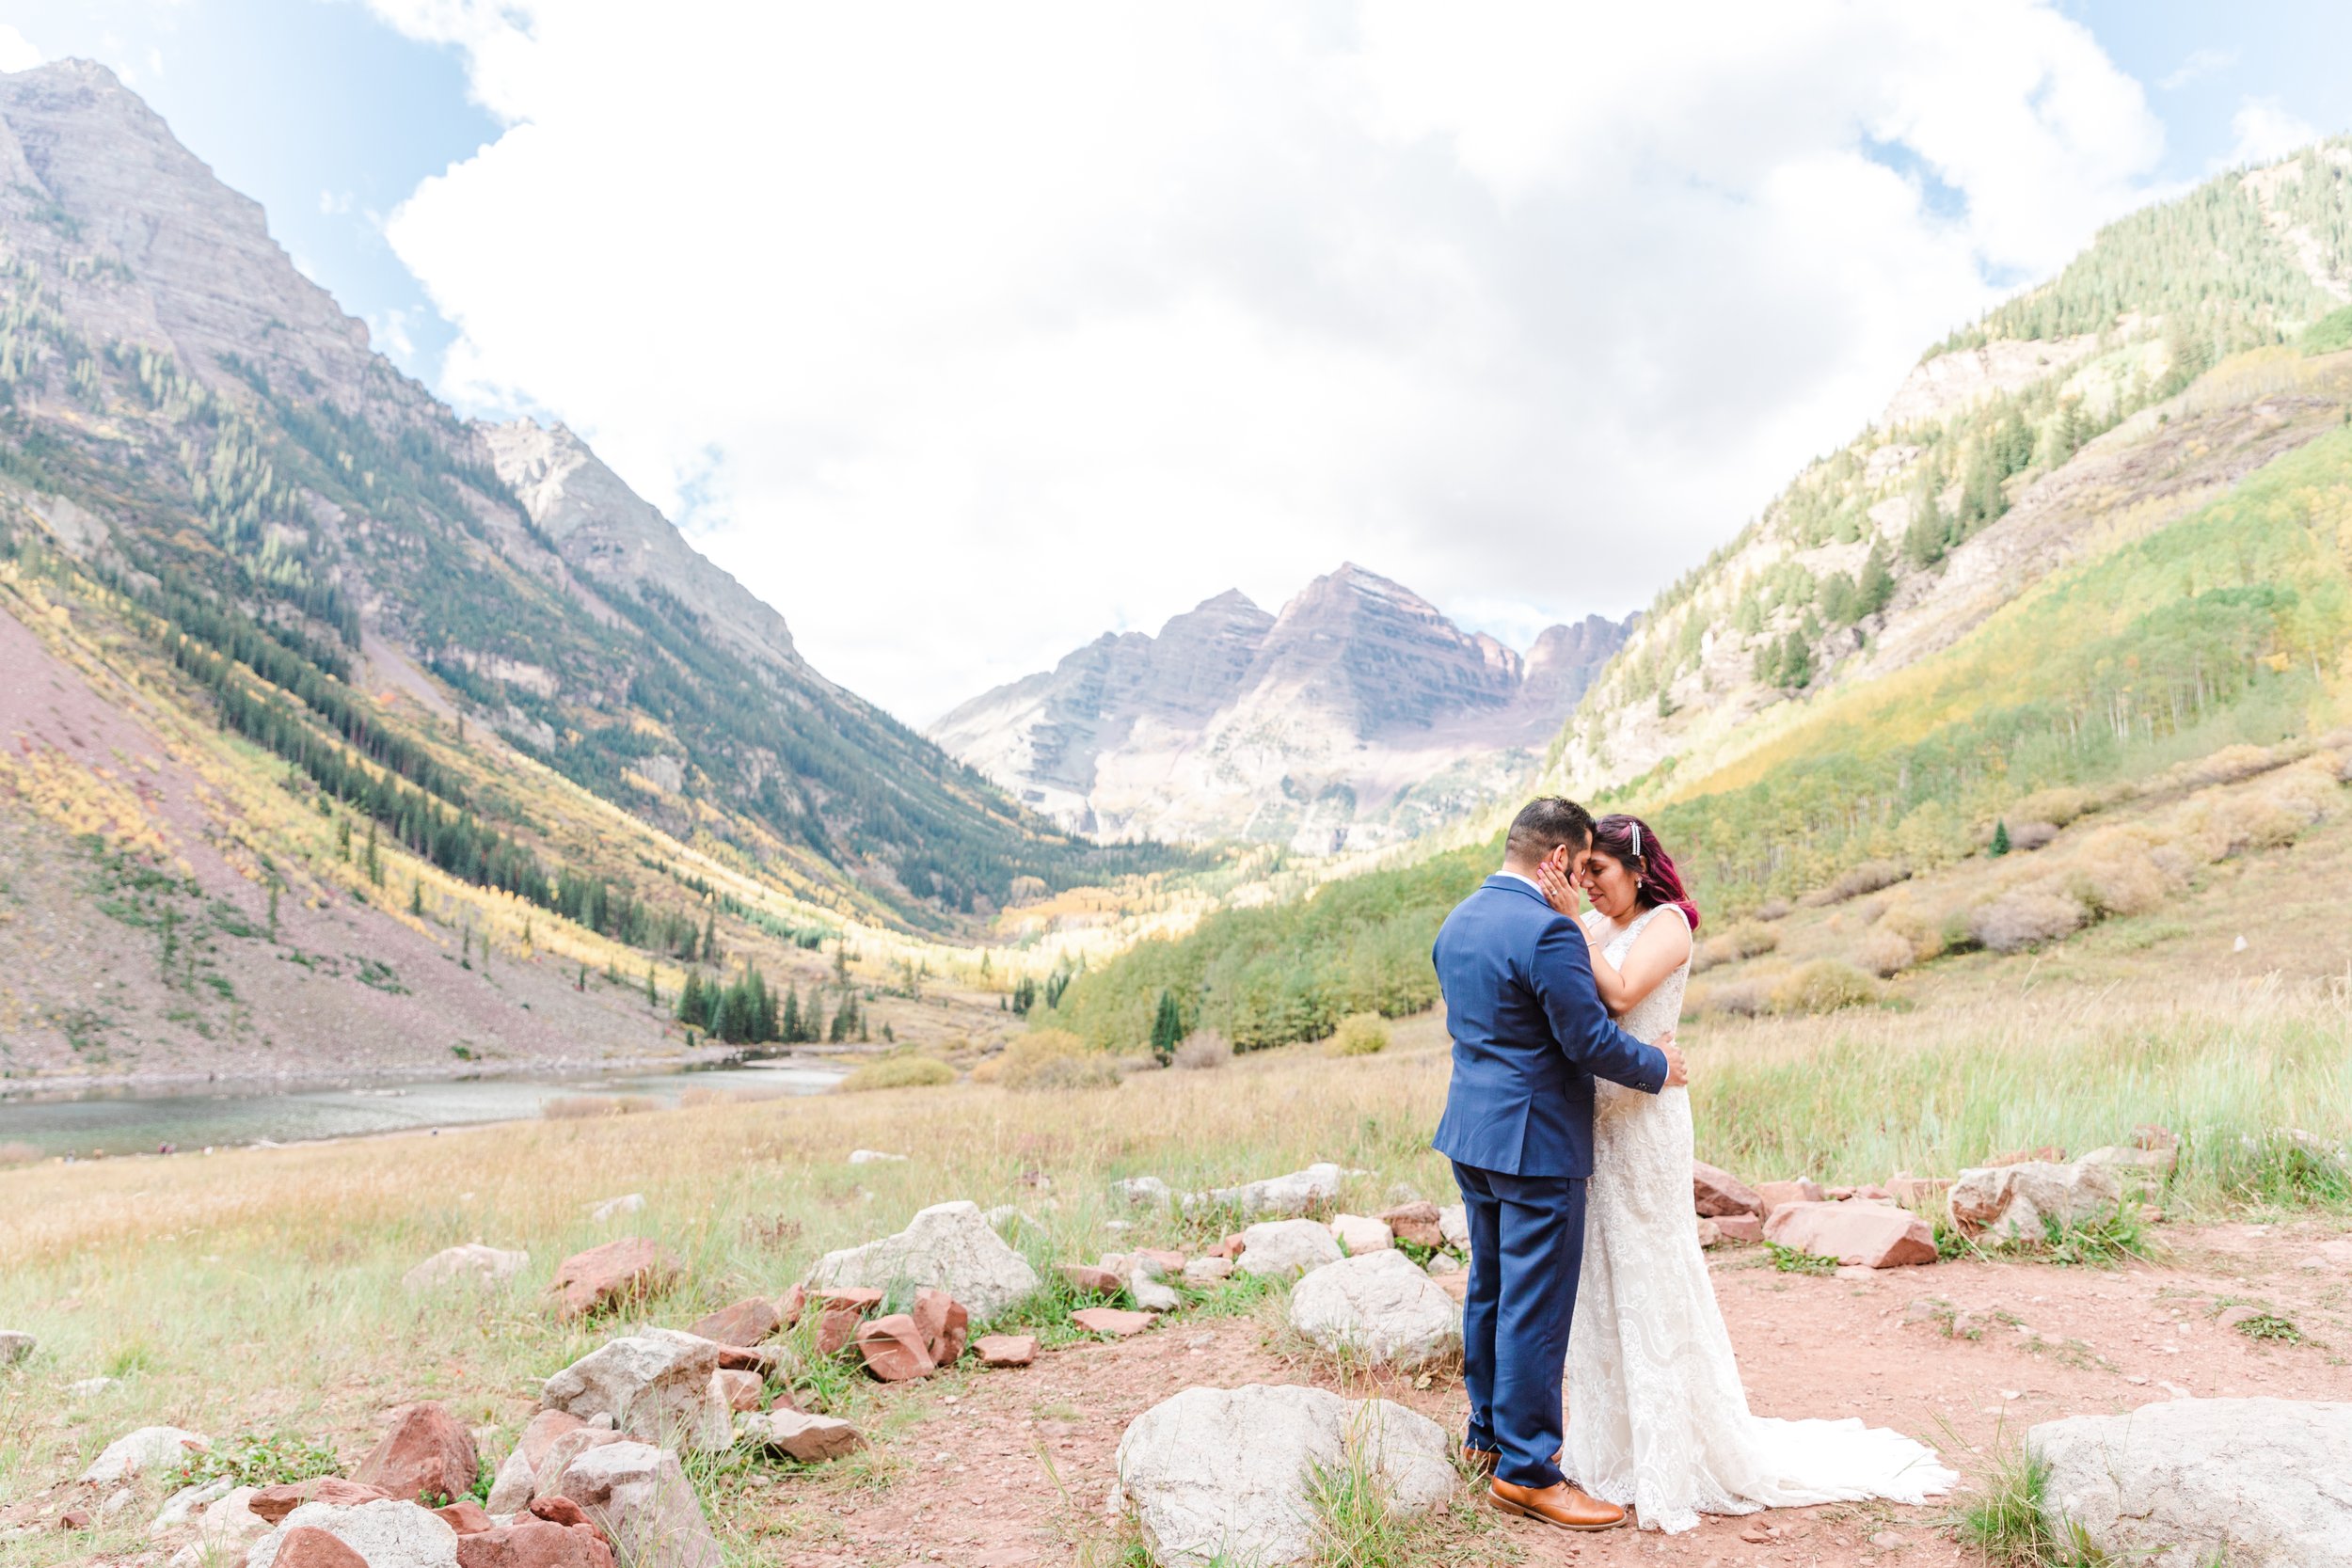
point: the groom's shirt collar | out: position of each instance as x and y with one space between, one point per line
1528 883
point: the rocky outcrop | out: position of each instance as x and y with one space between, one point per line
1219 1474
385 1533
1869 1235
1312 726
424 1452
947 1246
2018 1202
611 536
2194 1482
643 1501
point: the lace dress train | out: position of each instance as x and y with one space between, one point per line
1657 1417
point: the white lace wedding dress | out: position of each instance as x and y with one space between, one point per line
1657 1417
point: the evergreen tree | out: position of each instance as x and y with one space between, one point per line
788 1026
653 994
1168 1029
1876 588
1928 536
416 897
374 864
691 1007
2000 840
711 939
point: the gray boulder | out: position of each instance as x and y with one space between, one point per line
2190 1482
655 1385
1377 1306
1285 1249
15 1346
641 1497
148 1448
1454 1224
510 1488
810 1439
1316 1186
2012 1202
1220 1474
387 1533
473 1264
948 1247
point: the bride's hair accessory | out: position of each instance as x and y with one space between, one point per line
1629 840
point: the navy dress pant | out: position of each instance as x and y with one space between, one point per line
1527 1248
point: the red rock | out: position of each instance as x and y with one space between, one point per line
1457 1283
1716 1192
271 1504
78 1518
1710 1233
1773 1193
307 1547
892 1349
425 1454
2047 1154
943 1323
542 1431
1005 1350
1739 1227
465 1516
839 1312
548 1474
745 1322
749 1358
1088 1280
788 1305
1872 1192
1416 1223
529 1542
1839 1195
2149 1135
847 1295
1112 1320
1873 1235
1234 1244
737 1390
560 1509
612 1275
1918 1192
1168 1263
784 1402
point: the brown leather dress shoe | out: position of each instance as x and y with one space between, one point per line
1481 1460
1562 1505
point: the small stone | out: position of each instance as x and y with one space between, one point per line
810 1439
614 1208
612 1275
1924 1193
1112 1320
1164 1261
944 1324
1207 1271
423 1452
875 1157
15 1346
947 1246
1777 1195
1872 1235
1286 1249
839 1312
1360 1234
745 1322
78 1518
1711 1234
1445 1262
738 1390
893 1349
2233 1316
137 1452
472 1264
529 1542
2047 1155
1887 1540
465 1516
1088 1280
1005 1350
646 1504
307 1547
1143 1191
1716 1192
1738 1228
1416 1222
1148 1293
539 1434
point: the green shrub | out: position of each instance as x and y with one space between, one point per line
1823 985
1358 1035
897 1072
249 1459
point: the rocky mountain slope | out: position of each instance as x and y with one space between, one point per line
339 735
1359 715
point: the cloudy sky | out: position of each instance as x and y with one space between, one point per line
965 332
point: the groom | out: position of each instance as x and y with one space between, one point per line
1529 1036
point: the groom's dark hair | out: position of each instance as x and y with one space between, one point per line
1543 825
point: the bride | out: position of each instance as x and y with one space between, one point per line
1657 1419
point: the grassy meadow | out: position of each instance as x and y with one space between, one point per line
258 1290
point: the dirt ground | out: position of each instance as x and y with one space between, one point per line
1011 1470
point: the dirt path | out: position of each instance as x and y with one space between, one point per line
1011 1470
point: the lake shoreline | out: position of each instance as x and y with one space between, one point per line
49 1088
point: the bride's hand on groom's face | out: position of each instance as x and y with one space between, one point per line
1559 891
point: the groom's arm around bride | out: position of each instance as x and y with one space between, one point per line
1529 1036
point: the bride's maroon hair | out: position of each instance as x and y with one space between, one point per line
1629 840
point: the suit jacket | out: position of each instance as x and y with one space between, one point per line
1529 1036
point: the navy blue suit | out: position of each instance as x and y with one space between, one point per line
1529 1036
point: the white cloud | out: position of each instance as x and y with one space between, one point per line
2200 63
2266 131
17 51
959 326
